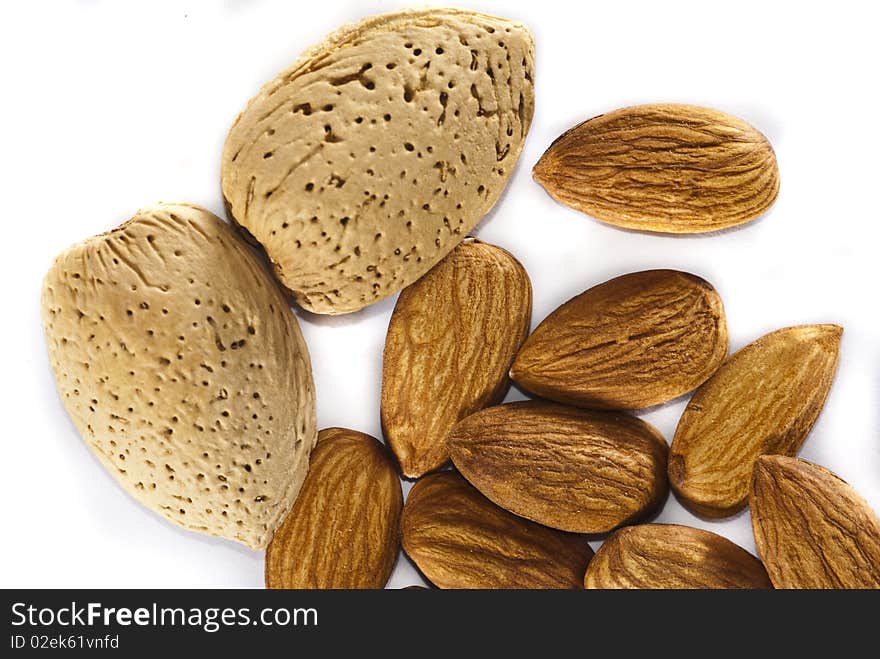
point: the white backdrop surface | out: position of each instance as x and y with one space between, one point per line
112 106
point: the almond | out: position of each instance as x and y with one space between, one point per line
672 556
663 168
764 399
632 342
812 529
343 531
570 469
182 367
367 161
460 539
450 342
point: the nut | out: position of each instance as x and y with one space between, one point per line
460 539
764 399
671 556
812 529
371 158
570 469
632 342
343 530
183 369
663 168
450 342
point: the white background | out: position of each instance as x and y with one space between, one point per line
112 106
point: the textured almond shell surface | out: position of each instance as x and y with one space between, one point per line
668 556
632 342
182 367
450 342
764 399
460 539
371 158
570 469
663 168
812 529
343 530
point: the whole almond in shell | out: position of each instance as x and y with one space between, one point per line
763 400
576 470
632 342
182 367
663 168
366 162
668 556
812 529
460 539
450 342
343 530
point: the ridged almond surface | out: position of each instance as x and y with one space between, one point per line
450 342
570 469
663 168
668 556
763 400
812 529
343 530
632 342
182 367
371 158
460 539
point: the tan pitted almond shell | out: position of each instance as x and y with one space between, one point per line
632 342
764 399
344 529
460 539
663 168
812 529
668 556
371 158
450 342
182 367
570 469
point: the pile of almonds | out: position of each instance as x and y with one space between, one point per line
359 171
